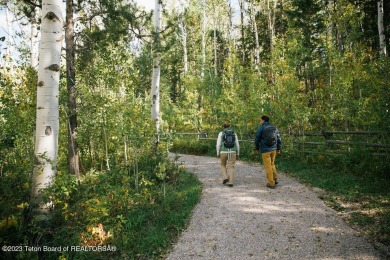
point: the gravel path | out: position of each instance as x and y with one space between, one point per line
250 221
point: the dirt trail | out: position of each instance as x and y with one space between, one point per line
250 221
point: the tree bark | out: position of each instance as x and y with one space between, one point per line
381 29
257 50
73 153
47 113
156 68
34 39
204 39
241 4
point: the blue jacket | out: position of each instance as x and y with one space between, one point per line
259 142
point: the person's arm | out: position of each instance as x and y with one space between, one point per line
219 140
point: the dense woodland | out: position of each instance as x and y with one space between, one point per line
130 81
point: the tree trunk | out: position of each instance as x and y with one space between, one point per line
34 39
73 153
257 50
156 68
184 41
381 29
230 44
241 4
183 30
215 51
204 39
8 62
47 123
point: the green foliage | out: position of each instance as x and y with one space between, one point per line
319 70
105 208
193 147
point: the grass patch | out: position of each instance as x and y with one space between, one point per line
362 199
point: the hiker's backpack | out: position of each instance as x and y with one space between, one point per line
229 138
269 135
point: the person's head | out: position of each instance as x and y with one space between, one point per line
226 125
264 119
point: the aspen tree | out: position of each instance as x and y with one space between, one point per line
34 39
47 113
381 29
156 67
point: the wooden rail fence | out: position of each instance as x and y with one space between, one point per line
325 142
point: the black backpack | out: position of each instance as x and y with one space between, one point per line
229 138
269 135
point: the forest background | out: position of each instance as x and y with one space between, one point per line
319 69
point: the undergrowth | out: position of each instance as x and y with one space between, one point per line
116 214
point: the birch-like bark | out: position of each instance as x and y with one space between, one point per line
34 52
215 49
257 50
156 67
183 30
8 62
381 29
230 44
204 39
47 114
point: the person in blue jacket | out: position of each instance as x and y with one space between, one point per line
268 151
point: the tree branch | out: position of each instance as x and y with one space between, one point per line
32 3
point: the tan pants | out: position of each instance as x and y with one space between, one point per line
270 168
227 166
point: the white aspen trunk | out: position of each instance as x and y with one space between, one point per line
381 29
230 44
204 39
8 63
34 52
257 50
270 25
215 50
47 116
183 29
156 67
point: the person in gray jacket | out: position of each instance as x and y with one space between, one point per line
228 149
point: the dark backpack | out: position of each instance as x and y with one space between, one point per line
269 135
229 138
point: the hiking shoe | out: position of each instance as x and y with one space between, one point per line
225 181
230 185
269 186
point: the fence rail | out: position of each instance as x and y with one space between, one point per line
330 144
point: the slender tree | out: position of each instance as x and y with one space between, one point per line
156 67
34 38
73 153
242 10
204 28
47 114
381 29
254 10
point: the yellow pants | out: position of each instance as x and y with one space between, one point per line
227 166
269 165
